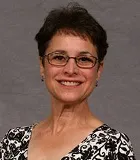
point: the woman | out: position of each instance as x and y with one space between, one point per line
72 46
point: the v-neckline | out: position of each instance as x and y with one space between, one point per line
84 140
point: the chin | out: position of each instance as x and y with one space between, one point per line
70 99
70 96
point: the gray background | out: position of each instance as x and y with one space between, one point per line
23 97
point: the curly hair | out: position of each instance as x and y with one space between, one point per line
72 19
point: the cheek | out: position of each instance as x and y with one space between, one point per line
50 74
92 75
49 71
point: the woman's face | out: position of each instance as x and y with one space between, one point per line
69 83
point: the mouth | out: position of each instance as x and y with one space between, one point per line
69 83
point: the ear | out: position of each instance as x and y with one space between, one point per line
41 67
100 70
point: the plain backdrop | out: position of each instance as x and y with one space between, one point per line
24 99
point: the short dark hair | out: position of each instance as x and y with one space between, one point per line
72 19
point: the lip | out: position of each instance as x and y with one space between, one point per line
68 80
77 81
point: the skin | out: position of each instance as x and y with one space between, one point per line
70 113
67 102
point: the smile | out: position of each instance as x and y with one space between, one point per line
69 83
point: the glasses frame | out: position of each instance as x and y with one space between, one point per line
75 58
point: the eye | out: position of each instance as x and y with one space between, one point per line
58 57
85 59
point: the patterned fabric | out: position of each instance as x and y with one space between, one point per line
104 143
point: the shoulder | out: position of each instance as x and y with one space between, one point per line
15 140
18 133
116 142
115 135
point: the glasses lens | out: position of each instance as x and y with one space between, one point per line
86 61
57 59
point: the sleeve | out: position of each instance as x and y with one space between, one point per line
125 149
14 145
4 151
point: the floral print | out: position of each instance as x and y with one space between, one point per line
104 143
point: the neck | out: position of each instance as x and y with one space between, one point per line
67 116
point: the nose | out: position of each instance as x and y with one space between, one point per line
71 68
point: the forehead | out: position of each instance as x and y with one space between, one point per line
71 44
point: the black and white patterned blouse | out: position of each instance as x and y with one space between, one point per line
104 143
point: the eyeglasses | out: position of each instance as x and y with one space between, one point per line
61 59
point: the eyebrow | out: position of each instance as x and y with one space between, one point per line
85 53
59 51
79 53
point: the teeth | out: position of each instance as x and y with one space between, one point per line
67 83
